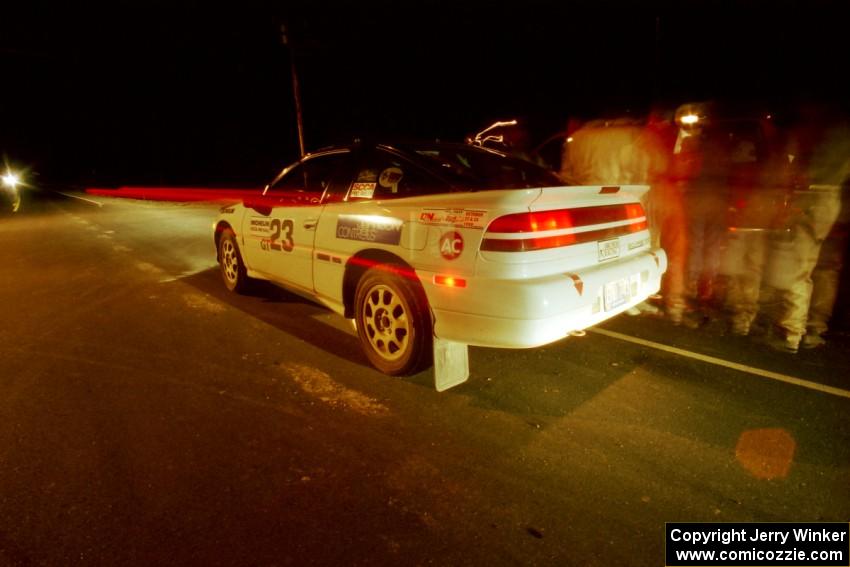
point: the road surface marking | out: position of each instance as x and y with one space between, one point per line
725 363
80 198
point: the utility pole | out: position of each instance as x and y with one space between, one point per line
656 59
296 91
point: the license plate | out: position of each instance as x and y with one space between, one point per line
609 249
617 293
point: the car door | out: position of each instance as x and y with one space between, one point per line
281 235
372 209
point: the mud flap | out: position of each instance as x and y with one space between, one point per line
451 364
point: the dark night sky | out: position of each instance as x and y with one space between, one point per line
199 93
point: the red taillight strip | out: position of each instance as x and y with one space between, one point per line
559 240
539 221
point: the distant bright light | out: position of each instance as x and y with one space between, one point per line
10 179
690 119
570 139
769 116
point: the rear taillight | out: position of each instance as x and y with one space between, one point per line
502 233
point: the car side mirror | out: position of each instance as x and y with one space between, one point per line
258 204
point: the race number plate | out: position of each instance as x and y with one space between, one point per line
609 249
617 293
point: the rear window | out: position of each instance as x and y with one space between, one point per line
475 168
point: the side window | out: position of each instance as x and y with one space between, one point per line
313 177
291 182
382 175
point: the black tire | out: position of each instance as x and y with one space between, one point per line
393 321
233 270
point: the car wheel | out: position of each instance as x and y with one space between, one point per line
393 321
230 260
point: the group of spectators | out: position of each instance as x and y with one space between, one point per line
748 212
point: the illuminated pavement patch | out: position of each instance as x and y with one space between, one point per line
320 385
203 302
766 453
148 267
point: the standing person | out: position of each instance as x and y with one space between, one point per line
623 151
831 164
705 198
666 202
759 187
604 152
820 151
825 278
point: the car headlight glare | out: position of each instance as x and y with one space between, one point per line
11 180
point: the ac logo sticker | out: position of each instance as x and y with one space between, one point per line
451 245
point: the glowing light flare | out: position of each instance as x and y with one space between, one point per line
403 271
479 138
449 281
11 180
178 194
635 211
690 119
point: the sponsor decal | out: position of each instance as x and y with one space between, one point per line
369 228
274 234
227 210
458 218
638 243
390 178
259 226
362 190
451 245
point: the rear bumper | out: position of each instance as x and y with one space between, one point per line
534 312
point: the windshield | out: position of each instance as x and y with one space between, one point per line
467 166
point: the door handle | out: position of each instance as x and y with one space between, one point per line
310 224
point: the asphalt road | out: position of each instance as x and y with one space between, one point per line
151 418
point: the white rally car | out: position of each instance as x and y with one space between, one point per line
431 247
